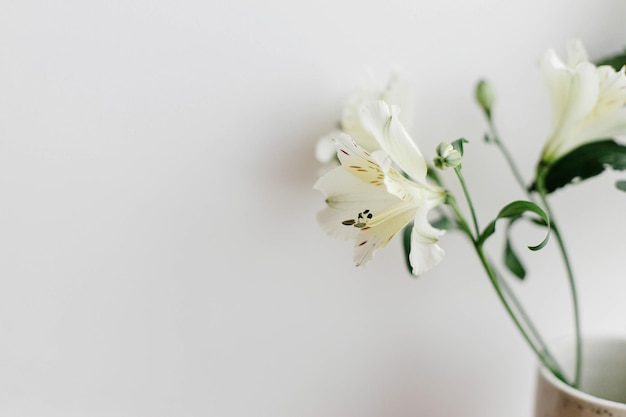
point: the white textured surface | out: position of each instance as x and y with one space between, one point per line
159 254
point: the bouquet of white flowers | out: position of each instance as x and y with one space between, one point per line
377 182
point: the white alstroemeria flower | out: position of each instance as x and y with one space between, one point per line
587 101
399 91
370 201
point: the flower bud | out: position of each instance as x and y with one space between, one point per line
485 96
447 156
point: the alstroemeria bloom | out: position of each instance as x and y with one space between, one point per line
370 201
587 101
398 91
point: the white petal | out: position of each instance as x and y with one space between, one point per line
603 126
346 197
325 150
339 184
425 256
576 53
583 93
390 222
400 92
330 221
574 95
425 252
612 89
358 161
385 126
557 79
351 124
351 118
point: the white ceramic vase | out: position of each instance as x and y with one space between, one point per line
602 390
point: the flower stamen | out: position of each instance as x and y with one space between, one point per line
361 220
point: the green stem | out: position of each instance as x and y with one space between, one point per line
495 137
570 277
493 278
523 315
570 274
451 201
459 175
509 292
549 364
507 155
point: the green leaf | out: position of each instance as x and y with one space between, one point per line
616 61
433 175
540 222
458 145
583 163
406 244
516 209
621 185
445 223
511 260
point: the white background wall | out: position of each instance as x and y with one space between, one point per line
159 254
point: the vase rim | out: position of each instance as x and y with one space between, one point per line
574 392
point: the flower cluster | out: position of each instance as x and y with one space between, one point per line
377 183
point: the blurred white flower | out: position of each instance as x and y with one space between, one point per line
398 91
370 201
587 101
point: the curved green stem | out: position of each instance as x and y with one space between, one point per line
542 354
523 315
564 255
509 292
451 201
570 276
507 155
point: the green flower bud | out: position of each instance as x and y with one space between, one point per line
447 156
485 96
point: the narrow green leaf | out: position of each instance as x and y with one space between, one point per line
406 244
445 223
617 61
433 175
621 185
458 145
584 162
540 222
511 260
515 209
